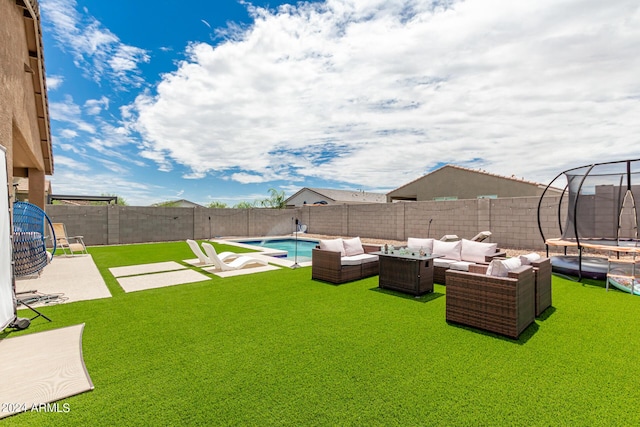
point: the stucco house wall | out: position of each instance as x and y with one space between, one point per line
454 182
309 196
24 117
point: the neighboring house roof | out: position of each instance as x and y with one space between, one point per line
478 171
343 196
182 203
22 185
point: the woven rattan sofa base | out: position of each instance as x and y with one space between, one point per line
503 305
326 266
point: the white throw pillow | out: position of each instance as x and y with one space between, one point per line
333 245
449 250
353 246
502 267
476 251
529 258
416 243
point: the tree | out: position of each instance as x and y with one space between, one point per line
244 205
122 201
217 205
275 200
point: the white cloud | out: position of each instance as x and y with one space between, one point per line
68 111
377 92
105 138
113 166
246 178
113 141
54 82
71 163
69 179
68 133
164 165
70 148
96 50
95 106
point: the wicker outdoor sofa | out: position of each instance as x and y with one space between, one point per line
332 265
456 255
504 305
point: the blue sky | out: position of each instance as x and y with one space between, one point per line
223 100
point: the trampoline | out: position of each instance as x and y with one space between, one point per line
596 211
592 267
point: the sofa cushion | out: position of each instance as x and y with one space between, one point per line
353 246
529 258
476 251
449 250
461 265
358 259
442 262
333 245
416 243
502 267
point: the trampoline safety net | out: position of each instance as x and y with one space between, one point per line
601 203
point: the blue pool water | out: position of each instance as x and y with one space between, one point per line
289 245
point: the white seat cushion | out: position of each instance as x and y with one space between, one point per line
358 259
443 262
461 265
476 251
449 250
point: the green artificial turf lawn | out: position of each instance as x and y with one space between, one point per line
277 348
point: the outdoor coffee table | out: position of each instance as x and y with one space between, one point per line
412 274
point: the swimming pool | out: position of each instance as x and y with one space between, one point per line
286 244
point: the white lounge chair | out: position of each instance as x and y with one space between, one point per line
233 265
483 235
205 260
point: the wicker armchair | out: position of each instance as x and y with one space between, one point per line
504 305
542 272
327 266
542 276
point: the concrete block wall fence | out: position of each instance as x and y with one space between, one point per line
513 221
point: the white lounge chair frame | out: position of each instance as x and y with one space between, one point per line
483 235
236 264
204 260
